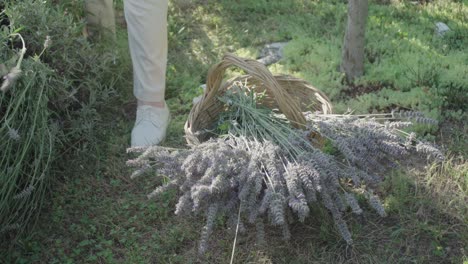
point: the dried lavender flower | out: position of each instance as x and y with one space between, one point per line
274 183
47 42
24 193
208 228
353 203
344 231
140 171
260 228
10 78
418 117
13 134
429 150
375 203
9 227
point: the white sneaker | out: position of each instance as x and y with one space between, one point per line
150 125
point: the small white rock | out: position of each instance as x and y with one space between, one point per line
272 53
441 29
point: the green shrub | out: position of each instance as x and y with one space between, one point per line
54 104
28 146
453 83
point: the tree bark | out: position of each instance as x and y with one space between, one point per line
352 63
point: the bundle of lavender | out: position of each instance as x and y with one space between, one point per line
261 171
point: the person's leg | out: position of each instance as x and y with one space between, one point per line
147 37
100 17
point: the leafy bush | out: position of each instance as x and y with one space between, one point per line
453 83
28 146
52 105
83 71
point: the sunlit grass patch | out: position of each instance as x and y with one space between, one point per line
95 213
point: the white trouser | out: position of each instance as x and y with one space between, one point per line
147 38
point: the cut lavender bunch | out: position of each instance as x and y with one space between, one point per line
268 171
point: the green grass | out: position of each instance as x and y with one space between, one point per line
94 213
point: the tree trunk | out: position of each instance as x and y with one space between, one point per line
352 63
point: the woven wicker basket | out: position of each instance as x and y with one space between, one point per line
290 95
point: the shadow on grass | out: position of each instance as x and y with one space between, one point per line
98 215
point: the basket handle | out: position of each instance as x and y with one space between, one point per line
287 105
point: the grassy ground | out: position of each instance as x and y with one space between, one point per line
96 214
